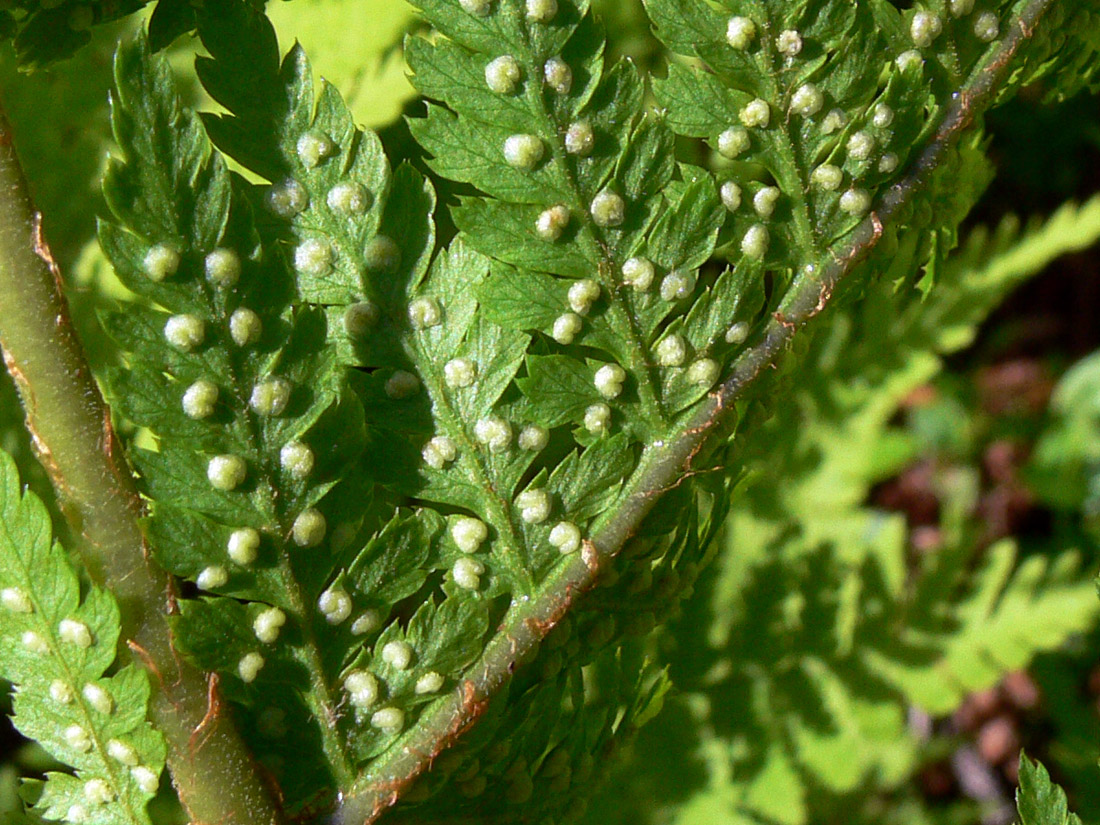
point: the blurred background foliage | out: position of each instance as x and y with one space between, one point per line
903 595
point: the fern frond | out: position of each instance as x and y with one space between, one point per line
606 234
257 429
530 390
1039 801
56 645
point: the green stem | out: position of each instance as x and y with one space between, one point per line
213 771
664 464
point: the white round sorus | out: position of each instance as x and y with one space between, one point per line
566 328
503 74
855 201
382 254
731 195
243 546
77 738
882 116
145 778
678 284
366 622
552 222
608 209
541 11
703 372
335 605
100 700
924 28
861 145
425 313
439 452
288 198
961 7
789 43
582 295
223 268
523 151
388 720
987 27
75 633
467 573
249 667
296 459
98 792
268 624
362 688
827 177
671 351
836 120
764 201
639 273
184 332
734 141
756 241
740 32
566 536
534 506
270 396
597 419
313 257
580 139
61 692
494 432
349 198
908 59
533 438
226 472
756 114
558 75
460 372
199 399
161 261
212 577
360 317
34 642
469 533
77 814
807 100
430 682
16 600
313 147
121 752
402 384
478 8
309 528
737 333
397 654
888 163
245 327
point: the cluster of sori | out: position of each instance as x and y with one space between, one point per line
606 210
56 650
854 150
